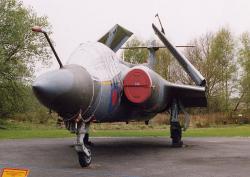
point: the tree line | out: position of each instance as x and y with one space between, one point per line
20 50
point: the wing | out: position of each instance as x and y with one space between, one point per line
189 96
115 37
184 62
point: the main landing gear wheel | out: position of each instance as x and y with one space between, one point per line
175 127
176 134
84 159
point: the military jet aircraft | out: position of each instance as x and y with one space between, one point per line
95 85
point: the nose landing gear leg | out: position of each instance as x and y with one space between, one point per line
86 140
83 151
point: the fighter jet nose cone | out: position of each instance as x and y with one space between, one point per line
50 85
65 91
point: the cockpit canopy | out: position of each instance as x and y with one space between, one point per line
99 60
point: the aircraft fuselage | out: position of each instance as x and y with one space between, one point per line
92 82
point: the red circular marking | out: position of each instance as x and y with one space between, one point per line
137 86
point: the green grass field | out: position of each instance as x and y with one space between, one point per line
27 131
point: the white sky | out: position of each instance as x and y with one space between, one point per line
77 21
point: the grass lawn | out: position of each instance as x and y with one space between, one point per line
26 131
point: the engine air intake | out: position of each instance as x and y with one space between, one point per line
137 85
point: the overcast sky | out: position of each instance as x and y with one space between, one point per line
77 21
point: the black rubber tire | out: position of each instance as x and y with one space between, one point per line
176 134
84 160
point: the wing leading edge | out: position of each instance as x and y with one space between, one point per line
184 62
189 96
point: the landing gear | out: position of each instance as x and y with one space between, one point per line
175 127
81 146
86 140
83 159
176 134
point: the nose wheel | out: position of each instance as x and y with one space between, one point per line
84 159
82 149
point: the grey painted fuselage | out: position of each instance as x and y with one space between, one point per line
108 72
92 80
91 83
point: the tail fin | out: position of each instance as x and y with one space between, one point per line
115 37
